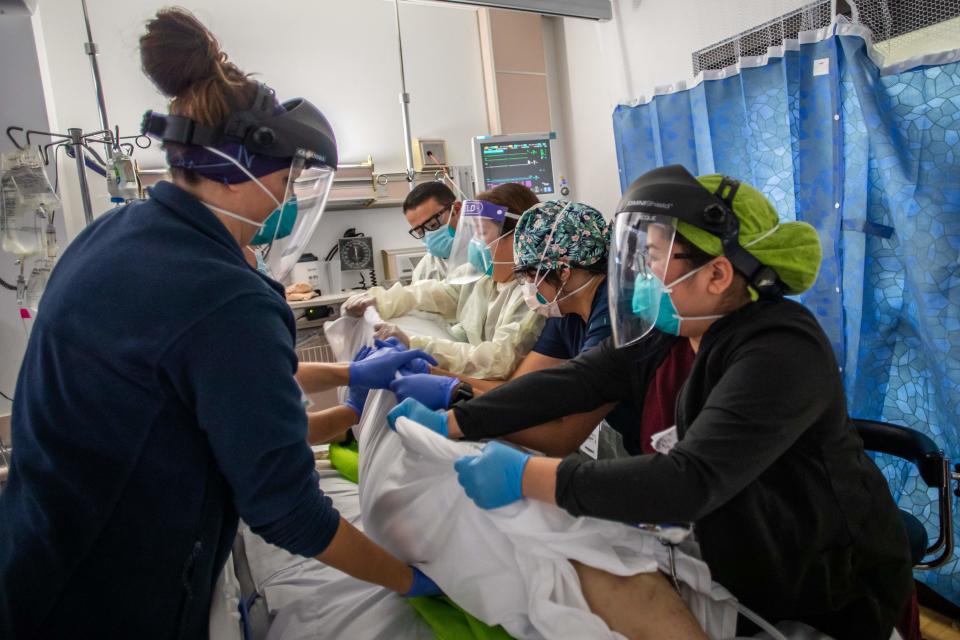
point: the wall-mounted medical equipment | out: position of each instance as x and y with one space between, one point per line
429 155
398 264
531 159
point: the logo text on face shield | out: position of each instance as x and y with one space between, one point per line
650 204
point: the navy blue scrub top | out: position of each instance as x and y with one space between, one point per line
156 403
564 338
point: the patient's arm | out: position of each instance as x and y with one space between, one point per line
639 607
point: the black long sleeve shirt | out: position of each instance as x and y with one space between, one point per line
790 513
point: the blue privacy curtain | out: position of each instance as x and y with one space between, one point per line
873 162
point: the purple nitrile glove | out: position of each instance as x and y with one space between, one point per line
378 369
435 392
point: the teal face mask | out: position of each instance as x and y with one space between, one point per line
439 242
479 256
278 224
649 294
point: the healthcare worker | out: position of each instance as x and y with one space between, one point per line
789 513
560 260
156 402
491 328
433 211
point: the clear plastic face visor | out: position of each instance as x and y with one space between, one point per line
640 250
290 232
479 234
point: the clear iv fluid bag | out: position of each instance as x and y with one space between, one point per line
26 201
37 284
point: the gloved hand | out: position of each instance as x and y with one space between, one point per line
356 399
416 366
433 391
358 303
495 477
379 368
392 343
386 330
422 585
357 396
436 421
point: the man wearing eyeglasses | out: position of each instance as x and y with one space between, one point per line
432 210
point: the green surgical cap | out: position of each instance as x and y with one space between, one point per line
792 249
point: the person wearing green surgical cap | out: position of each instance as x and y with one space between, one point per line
788 511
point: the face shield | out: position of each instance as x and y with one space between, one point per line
286 232
641 247
479 234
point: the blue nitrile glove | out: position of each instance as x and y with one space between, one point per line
422 585
435 392
495 477
379 368
356 399
416 366
436 421
393 343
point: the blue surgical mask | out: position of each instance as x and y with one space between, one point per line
261 263
439 242
646 291
278 224
479 256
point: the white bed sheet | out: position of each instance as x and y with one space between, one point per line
312 600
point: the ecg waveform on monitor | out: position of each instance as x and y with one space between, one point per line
527 163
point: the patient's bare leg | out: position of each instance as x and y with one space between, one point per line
639 607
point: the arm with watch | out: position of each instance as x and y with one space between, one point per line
557 437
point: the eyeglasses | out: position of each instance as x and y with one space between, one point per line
432 223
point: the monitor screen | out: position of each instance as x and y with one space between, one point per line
525 161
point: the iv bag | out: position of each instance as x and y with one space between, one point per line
26 201
37 284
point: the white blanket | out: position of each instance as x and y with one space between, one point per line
507 566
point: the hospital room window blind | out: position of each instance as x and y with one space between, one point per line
591 9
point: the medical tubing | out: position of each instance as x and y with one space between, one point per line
760 622
7 285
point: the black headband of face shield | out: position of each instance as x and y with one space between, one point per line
672 191
298 130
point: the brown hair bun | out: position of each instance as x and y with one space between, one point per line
183 59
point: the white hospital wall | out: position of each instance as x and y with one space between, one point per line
21 105
648 43
341 55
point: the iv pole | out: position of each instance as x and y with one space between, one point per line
404 105
91 50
